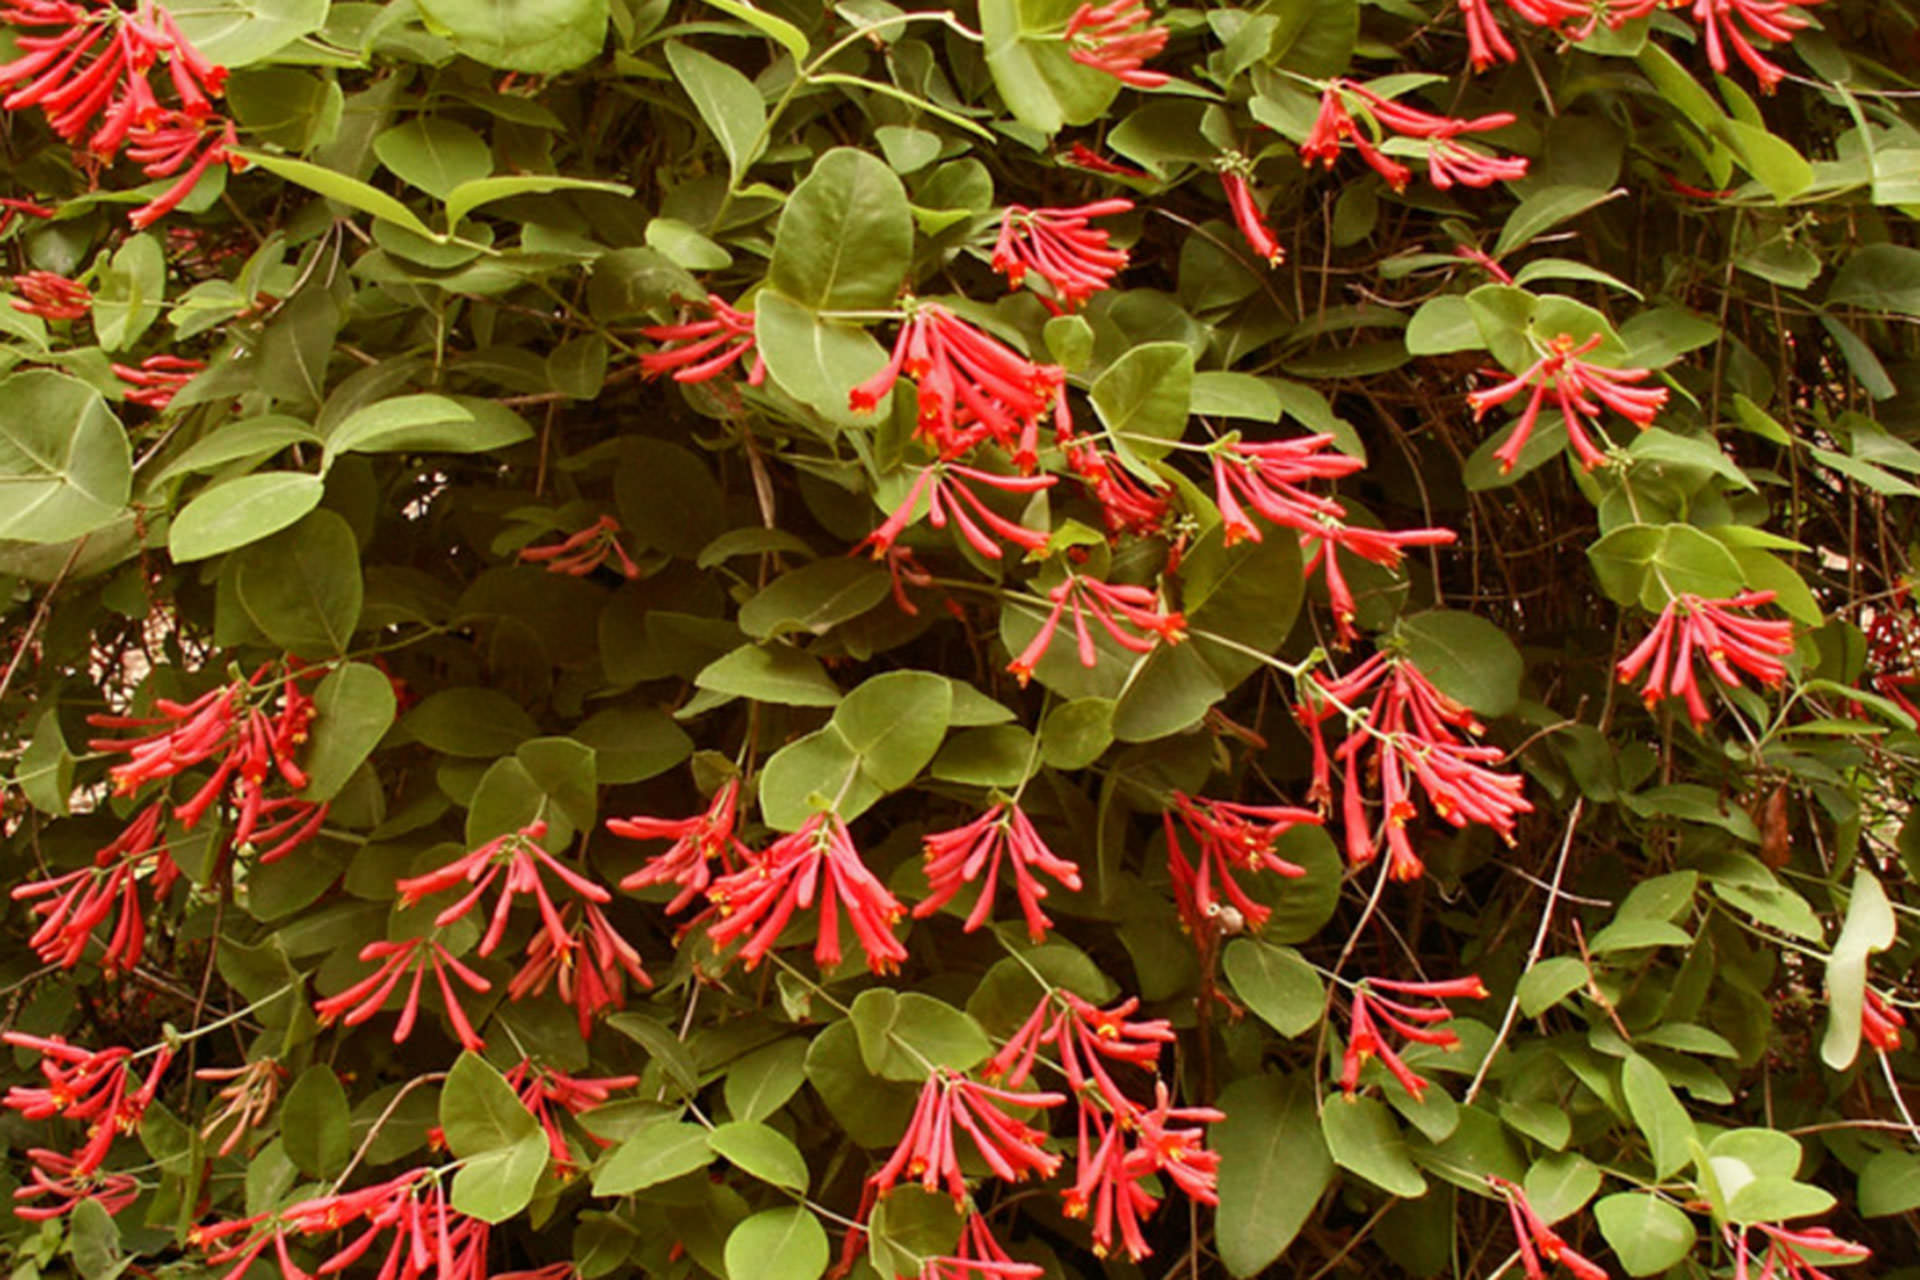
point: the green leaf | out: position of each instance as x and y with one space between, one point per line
1869 927
816 361
845 238
770 673
894 723
1143 398
1274 982
1649 564
1771 1199
901 1034
667 497
1780 169
1546 209
996 756
667 1050
470 195
354 707
542 37
1647 1233
632 744
1879 277
911 1224
1467 658
130 293
45 772
1890 1184
241 511
1661 446
1548 983
501 1146
760 1084
470 722
338 186
782 32
726 100
65 469
660 1149
237 33
815 598
1560 1184
764 1153
251 438
1657 1113
1363 1138
1274 1167
1442 325
302 586
93 1242
434 154
1033 70
428 424
778 1244
313 1123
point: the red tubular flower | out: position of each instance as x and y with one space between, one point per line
1580 389
979 1254
1371 1011
1105 1191
1130 615
1178 1154
518 857
58 1183
579 554
157 378
1001 835
1247 216
1060 247
1448 163
1118 38
1081 156
51 297
948 498
88 1086
700 350
80 901
428 1237
817 861
1787 1249
697 841
1486 42
591 970
12 209
950 1102
970 387
1127 505
1691 625
1229 837
365 998
1537 1240
1485 261
1880 1022
1415 733
1720 22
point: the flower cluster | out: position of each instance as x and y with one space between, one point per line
1118 38
1880 1022
589 964
89 64
366 997
1228 837
249 1090
1062 248
1721 24
51 296
1537 1240
1786 1251
700 350
1120 1141
579 554
697 841
970 386
76 903
944 487
953 1104
1267 476
1132 616
1579 389
428 1239
156 379
1003 835
1692 627
96 1088
1410 732
1373 1013
817 863
1448 162
516 861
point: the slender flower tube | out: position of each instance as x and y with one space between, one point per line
1118 38
948 1103
366 997
697 841
1714 631
1580 389
701 350
944 486
1247 216
157 378
1371 1012
1229 838
579 554
50 296
1130 616
1537 1240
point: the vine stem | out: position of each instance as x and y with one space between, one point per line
1533 952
